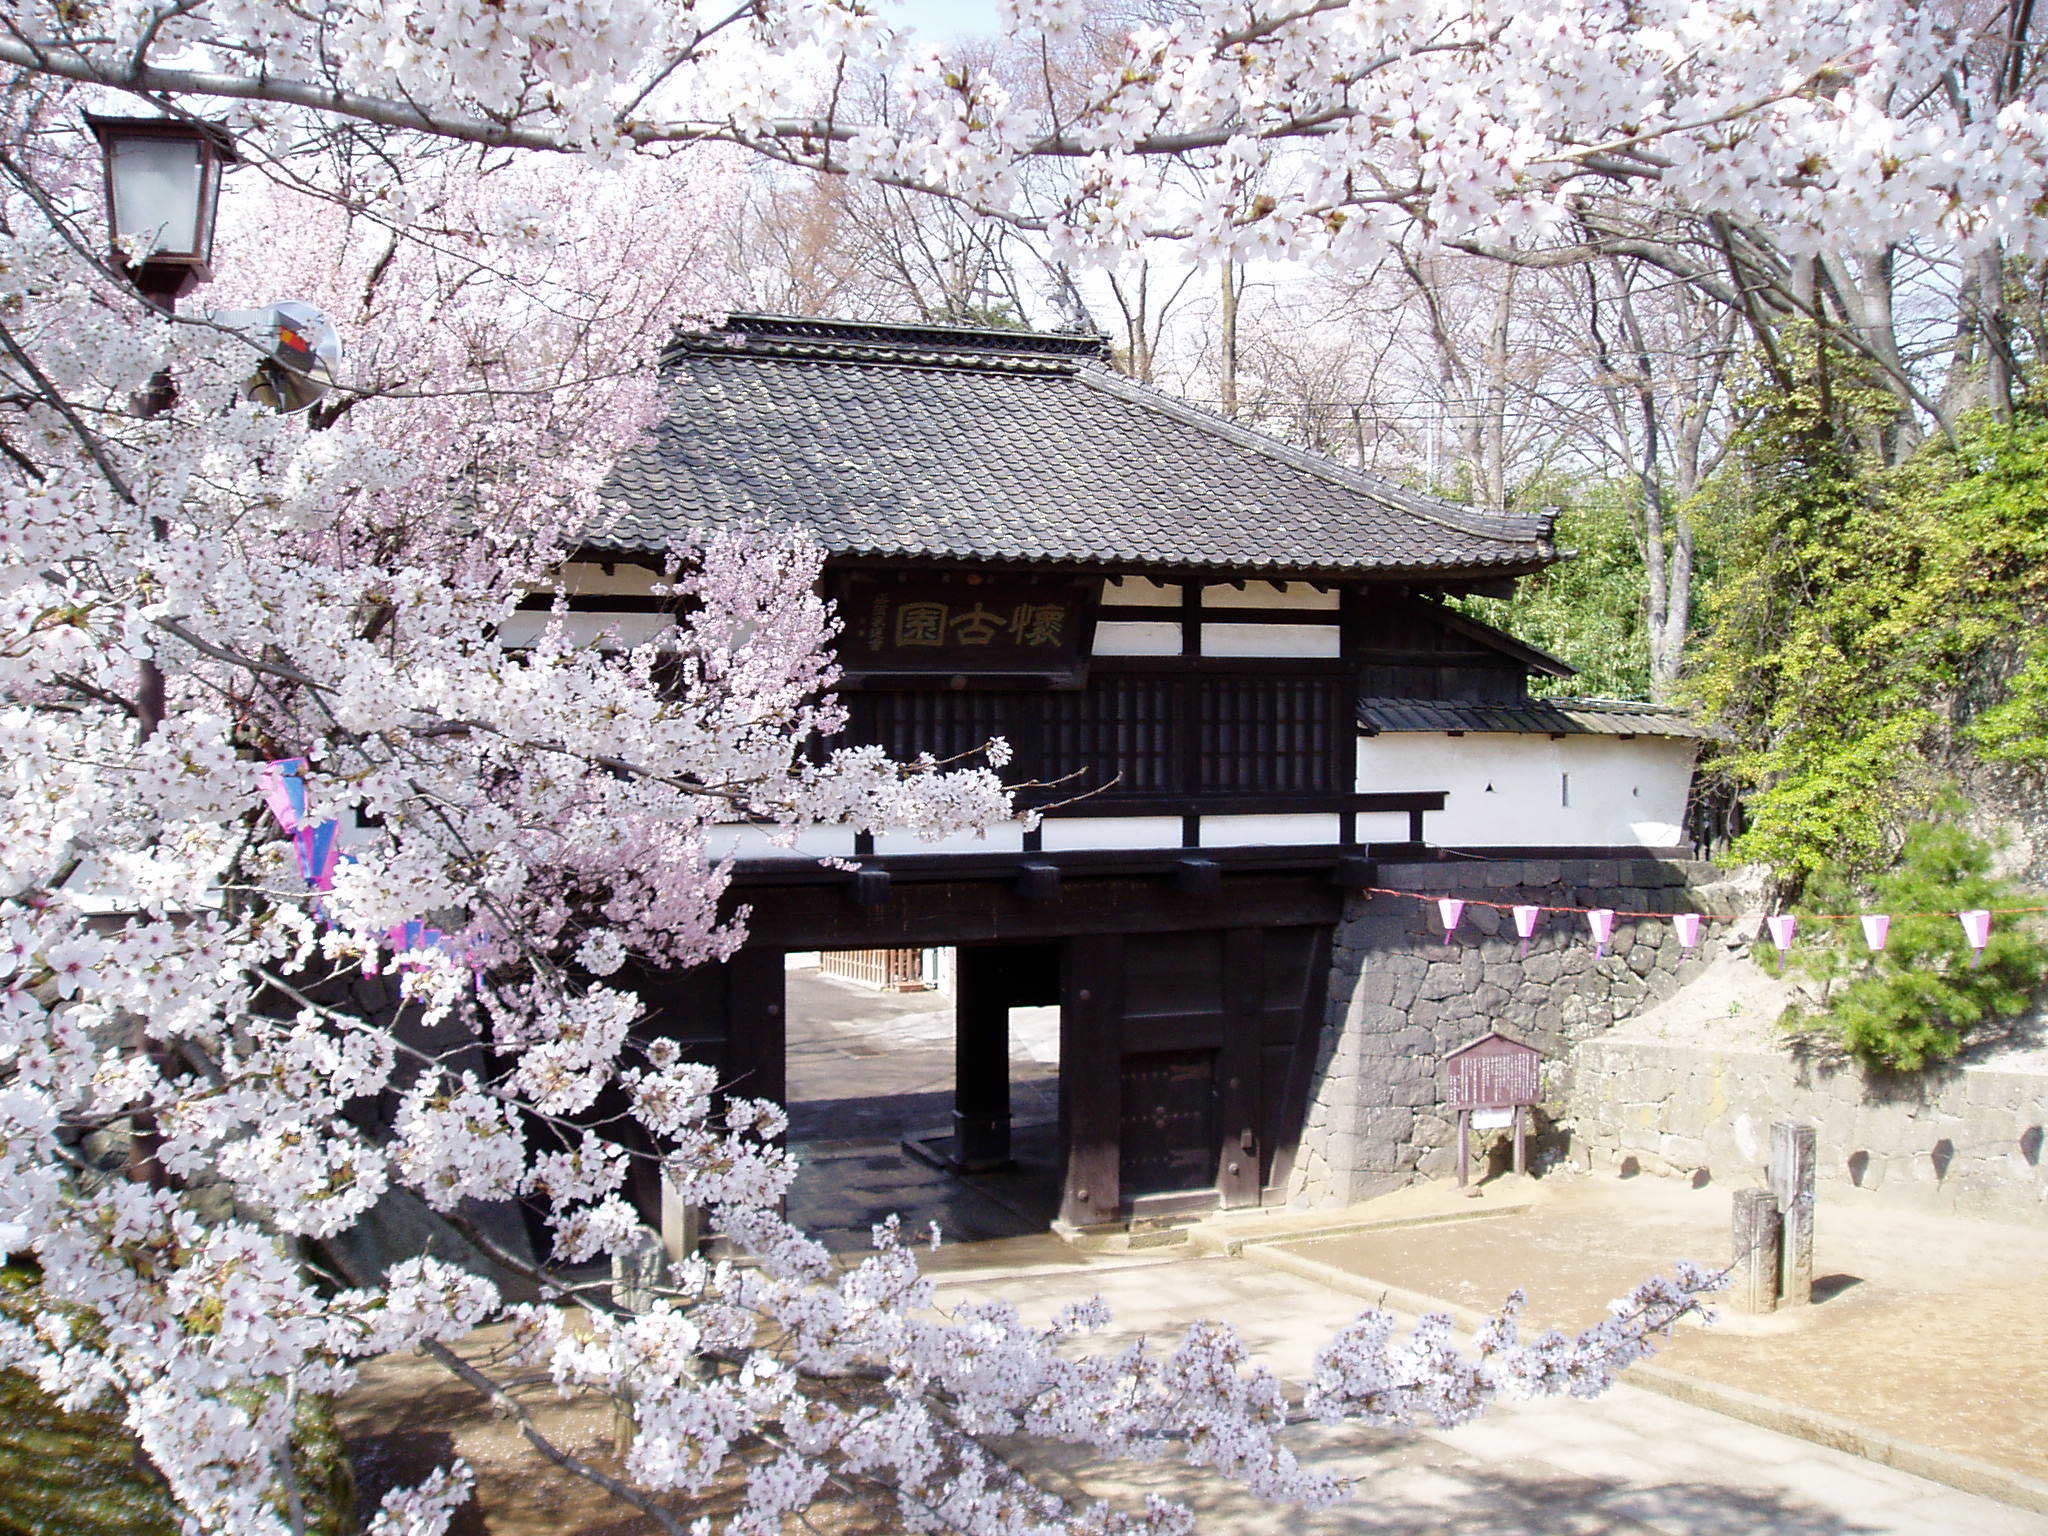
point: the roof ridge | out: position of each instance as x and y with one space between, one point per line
743 331
1415 503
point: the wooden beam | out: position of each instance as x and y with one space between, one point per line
1091 1078
1038 882
1237 1067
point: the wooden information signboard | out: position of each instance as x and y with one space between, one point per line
925 629
1494 1079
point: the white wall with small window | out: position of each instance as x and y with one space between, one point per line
1532 790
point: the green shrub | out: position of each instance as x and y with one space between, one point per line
1920 999
80 1473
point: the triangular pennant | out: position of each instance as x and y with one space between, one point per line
1877 928
1601 921
1783 926
1450 909
1687 926
1977 929
283 783
1526 919
319 849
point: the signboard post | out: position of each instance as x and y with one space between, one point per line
1491 1082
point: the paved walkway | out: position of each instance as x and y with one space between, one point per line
1627 1464
868 1070
1925 1328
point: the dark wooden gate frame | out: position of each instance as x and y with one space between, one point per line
1092 918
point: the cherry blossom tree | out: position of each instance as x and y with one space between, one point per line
502 198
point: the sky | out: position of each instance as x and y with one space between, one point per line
939 19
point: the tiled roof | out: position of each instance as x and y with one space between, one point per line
1557 717
933 443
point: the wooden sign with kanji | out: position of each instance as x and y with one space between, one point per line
1492 1075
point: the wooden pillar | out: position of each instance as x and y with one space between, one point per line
1753 1284
981 1061
637 1273
757 1033
1091 1077
1792 1175
1237 1067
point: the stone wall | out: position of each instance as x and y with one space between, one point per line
1966 1140
1400 998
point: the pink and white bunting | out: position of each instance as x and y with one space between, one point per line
1783 926
1450 909
1526 919
1977 929
1601 921
1877 931
1687 926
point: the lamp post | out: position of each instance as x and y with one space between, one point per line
163 186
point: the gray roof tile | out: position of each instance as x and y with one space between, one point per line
1556 716
934 443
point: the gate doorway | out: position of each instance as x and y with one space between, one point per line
935 1104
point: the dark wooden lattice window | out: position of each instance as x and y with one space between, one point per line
1139 735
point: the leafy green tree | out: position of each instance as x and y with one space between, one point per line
1925 996
1859 615
1587 610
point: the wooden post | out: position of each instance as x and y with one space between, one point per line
981 1062
637 1271
682 1224
1753 1283
1464 1147
1091 1077
1519 1132
1793 1156
1237 1066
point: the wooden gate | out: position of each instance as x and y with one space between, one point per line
1184 1067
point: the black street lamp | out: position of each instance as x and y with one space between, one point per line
163 185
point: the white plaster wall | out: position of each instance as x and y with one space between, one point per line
1062 833
628 629
1137 637
1510 790
753 843
1270 831
587 578
1138 591
1305 640
1270 594
1007 838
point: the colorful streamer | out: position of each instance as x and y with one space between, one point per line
283 783
319 848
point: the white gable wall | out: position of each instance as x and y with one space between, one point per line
1508 790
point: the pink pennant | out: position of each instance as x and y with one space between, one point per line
410 936
319 851
1526 919
283 783
1601 921
1783 926
1450 909
1977 929
1687 926
1876 929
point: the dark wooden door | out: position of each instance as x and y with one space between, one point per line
1185 1060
